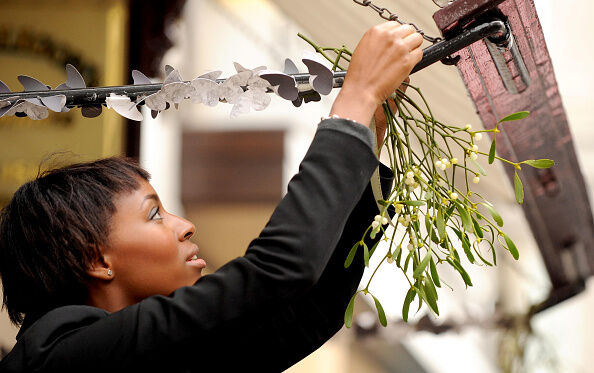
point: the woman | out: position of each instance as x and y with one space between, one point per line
102 278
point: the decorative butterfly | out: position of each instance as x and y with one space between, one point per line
246 90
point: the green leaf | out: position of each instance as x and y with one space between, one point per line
511 247
492 150
465 245
430 230
449 213
413 203
407 261
383 203
441 227
416 225
467 251
515 116
431 287
480 168
434 274
366 254
422 298
493 253
540 163
456 255
380 311
431 295
494 214
410 296
446 244
464 216
458 267
348 314
351 255
421 267
428 225
477 228
434 236
481 257
518 188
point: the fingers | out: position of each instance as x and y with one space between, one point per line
409 36
382 60
417 55
402 31
413 41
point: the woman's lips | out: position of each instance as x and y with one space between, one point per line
196 262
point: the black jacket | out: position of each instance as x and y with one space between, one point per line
261 312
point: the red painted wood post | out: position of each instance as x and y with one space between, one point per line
556 201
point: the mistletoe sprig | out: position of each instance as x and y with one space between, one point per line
436 220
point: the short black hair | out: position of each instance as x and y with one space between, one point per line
52 229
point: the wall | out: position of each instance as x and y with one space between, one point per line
94 32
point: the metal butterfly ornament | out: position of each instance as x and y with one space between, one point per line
246 90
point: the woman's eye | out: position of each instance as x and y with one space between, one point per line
155 215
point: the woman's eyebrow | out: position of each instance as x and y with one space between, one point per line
154 197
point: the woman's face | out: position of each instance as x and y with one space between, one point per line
149 249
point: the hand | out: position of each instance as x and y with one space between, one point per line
384 57
380 116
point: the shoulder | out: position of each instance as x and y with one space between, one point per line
47 330
63 319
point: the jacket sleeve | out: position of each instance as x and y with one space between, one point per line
300 327
283 263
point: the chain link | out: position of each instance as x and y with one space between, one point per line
389 16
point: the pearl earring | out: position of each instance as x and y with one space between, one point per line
109 272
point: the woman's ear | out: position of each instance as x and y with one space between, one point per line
101 268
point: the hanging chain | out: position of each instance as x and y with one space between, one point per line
389 16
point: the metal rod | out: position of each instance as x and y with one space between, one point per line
443 49
95 96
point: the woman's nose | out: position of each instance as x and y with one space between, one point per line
185 228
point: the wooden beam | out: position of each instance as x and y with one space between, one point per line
556 201
462 11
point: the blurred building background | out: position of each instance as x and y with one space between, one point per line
226 175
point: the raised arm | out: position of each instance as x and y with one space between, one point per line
293 330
